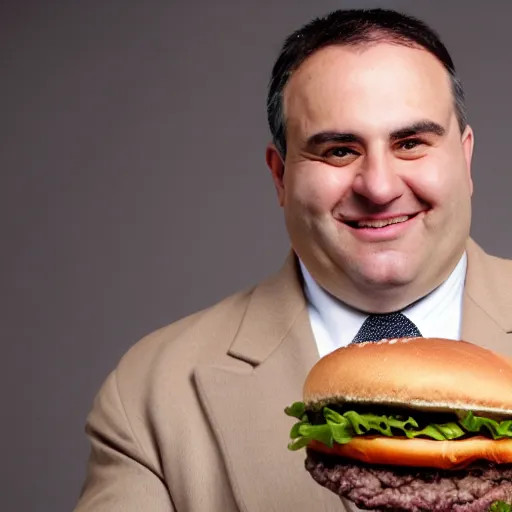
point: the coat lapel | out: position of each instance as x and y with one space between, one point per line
246 409
487 304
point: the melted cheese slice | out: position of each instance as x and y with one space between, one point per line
417 452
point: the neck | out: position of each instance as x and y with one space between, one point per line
371 297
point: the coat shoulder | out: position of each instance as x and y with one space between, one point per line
498 269
205 334
489 285
148 406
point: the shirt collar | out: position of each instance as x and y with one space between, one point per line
342 322
425 311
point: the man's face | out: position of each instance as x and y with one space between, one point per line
376 183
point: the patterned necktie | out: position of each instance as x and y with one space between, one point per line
387 326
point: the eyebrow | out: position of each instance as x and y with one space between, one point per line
323 137
421 127
418 128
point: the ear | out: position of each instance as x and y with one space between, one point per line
276 165
468 142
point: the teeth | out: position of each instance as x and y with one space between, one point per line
381 223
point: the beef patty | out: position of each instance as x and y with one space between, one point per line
402 489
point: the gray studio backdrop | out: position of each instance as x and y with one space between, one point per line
134 189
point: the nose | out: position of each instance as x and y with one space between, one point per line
377 181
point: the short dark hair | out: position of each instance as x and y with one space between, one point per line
353 27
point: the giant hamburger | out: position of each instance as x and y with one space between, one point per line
411 424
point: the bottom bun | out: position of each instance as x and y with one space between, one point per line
421 452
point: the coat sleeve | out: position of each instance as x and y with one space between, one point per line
120 476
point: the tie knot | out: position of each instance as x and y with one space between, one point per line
385 326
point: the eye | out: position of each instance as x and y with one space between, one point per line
340 156
340 152
409 144
412 149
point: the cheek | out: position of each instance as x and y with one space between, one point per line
316 187
440 181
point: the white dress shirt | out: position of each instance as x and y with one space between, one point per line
334 324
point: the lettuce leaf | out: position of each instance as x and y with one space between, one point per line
500 506
498 430
342 427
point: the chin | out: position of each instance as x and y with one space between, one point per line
385 272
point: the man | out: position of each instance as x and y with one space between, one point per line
371 160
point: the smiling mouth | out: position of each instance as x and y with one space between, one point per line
378 223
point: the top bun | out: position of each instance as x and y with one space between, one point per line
422 373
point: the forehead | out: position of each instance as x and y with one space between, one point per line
366 89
